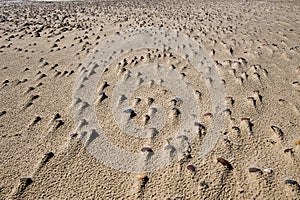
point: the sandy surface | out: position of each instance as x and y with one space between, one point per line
255 48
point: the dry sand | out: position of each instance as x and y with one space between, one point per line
255 47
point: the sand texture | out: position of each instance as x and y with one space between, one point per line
150 99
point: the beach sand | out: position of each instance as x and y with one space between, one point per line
255 48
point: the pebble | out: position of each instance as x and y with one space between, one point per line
57 116
268 170
225 163
48 155
141 176
291 182
254 169
297 142
73 135
288 150
175 111
191 168
2 113
207 115
132 113
146 149
58 123
37 119
102 96
26 181
278 131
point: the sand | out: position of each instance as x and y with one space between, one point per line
225 125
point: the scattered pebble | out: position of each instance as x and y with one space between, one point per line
245 119
36 120
47 156
254 169
73 135
287 150
146 149
58 123
225 163
2 113
291 182
141 176
26 181
102 96
203 184
207 115
57 116
277 131
297 142
131 112
175 112
268 170
191 168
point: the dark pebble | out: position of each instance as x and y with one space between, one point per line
2 113
57 116
49 155
37 119
288 150
132 113
291 182
207 115
102 96
191 168
73 135
146 149
254 169
225 163
35 97
26 181
58 123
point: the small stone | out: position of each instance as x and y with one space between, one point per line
104 85
268 170
73 135
102 96
57 116
131 112
287 150
224 162
191 168
203 184
26 181
141 176
48 155
2 113
291 182
146 149
37 119
207 115
58 123
297 142
254 169
175 111
277 131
